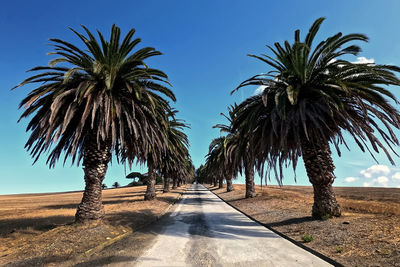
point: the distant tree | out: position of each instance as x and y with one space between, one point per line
116 185
137 175
104 186
143 177
201 175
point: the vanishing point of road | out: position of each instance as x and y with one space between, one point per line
205 231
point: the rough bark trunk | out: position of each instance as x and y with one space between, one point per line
229 185
151 182
95 163
173 183
221 183
166 185
249 173
319 166
215 182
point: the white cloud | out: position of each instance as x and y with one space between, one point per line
382 180
351 179
375 170
396 176
378 176
259 90
364 60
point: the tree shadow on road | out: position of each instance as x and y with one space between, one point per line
37 261
226 225
64 261
103 261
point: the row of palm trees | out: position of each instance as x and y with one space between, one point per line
311 96
103 100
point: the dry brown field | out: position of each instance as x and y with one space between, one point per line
367 233
38 229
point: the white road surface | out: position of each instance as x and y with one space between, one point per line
205 231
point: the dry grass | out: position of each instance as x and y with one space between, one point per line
375 200
367 234
38 229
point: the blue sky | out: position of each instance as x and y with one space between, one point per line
205 44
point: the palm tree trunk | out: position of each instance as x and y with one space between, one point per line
151 181
229 185
166 185
174 183
215 181
179 183
221 182
319 166
249 173
95 163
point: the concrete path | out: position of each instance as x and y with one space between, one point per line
205 231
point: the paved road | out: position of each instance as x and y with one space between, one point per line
205 231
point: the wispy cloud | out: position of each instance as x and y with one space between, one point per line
357 163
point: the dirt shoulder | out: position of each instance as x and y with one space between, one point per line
38 229
367 234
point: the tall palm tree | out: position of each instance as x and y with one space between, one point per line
177 149
215 160
190 170
155 151
201 175
186 172
238 154
206 172
232 159
102 100
312 96
238 149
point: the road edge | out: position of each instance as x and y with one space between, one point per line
128 232
312 251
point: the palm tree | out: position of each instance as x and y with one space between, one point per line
210 171
177 149
311 97
232 159
201 175
156 152
189 170
186 171
101 101
216 163
238 152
